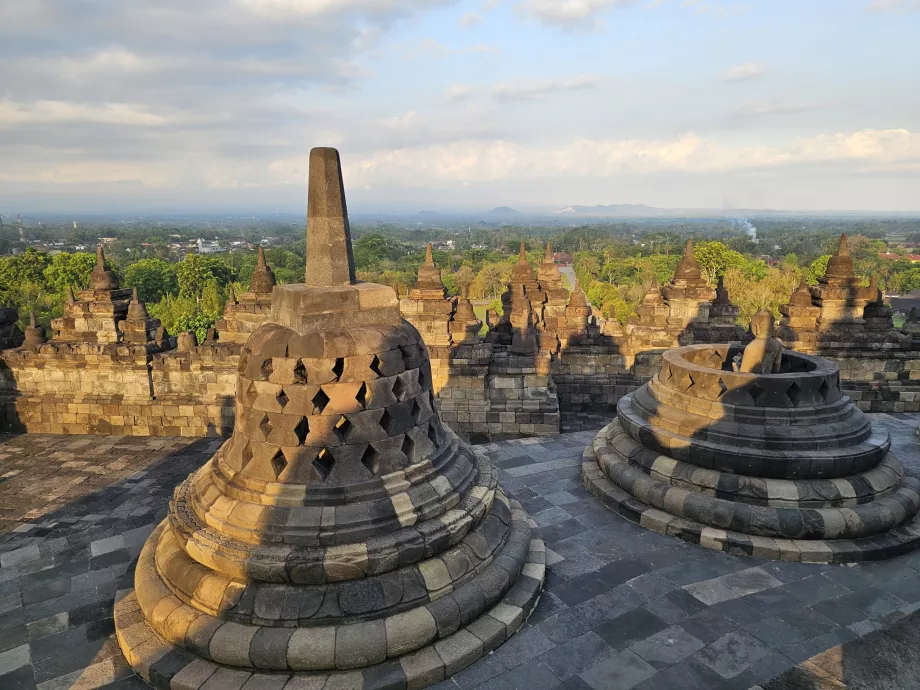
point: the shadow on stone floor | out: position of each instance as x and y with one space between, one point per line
60 570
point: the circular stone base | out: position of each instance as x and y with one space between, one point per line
168 667
894 542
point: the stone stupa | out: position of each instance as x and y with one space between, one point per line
758 454
343 537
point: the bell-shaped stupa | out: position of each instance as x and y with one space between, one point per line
343 537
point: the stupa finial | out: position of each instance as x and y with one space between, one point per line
429 257
330 260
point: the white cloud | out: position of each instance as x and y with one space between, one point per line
568 12
531 90
407 120
749 70
893 149
894 5
317 8
773 107
457 92
46 112
471 19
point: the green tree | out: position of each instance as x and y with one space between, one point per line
153 279
715 258
69 270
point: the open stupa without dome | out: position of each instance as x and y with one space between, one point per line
343 537
755 452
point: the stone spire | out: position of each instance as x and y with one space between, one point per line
548 257
801 297
840 265
688 268
721 294
329 255
263 278
653 294
429 275
101 278
35 334
71 299
137 310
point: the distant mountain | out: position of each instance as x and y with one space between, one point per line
614 210
503 211
427 214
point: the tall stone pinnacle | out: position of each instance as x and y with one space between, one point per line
260 258
70 296
32 322
329 256
522 257
549 253
429 258
842 249
102 278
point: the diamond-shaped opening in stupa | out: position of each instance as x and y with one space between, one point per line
300 372
266 426
399 389
279 463
371 459
341 428
324 463
361 395
320 400
302 429
408 448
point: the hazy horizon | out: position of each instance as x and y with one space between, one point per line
461 105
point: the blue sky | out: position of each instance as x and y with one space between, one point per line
538 104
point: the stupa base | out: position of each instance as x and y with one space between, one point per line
899 539
169 667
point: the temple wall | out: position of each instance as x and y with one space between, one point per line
483 395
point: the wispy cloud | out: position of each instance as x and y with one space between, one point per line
894 5
568 13
766 107
457 92
532 90
503 160
46 112
471 19
749 70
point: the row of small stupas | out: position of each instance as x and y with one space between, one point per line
545 360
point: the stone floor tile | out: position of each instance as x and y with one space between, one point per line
667 647
674 606
873 601
711 591
707 625
577 655
689 674
622 671
775 632
733 653
571 623
629 628
807 622
533 676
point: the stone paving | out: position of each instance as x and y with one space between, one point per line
623 607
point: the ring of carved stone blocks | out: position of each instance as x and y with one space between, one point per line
419 531
864 520
267 603
851 490
320 647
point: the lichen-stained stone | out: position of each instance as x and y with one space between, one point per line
782 466
342 534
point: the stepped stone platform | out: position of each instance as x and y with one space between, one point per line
777 465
